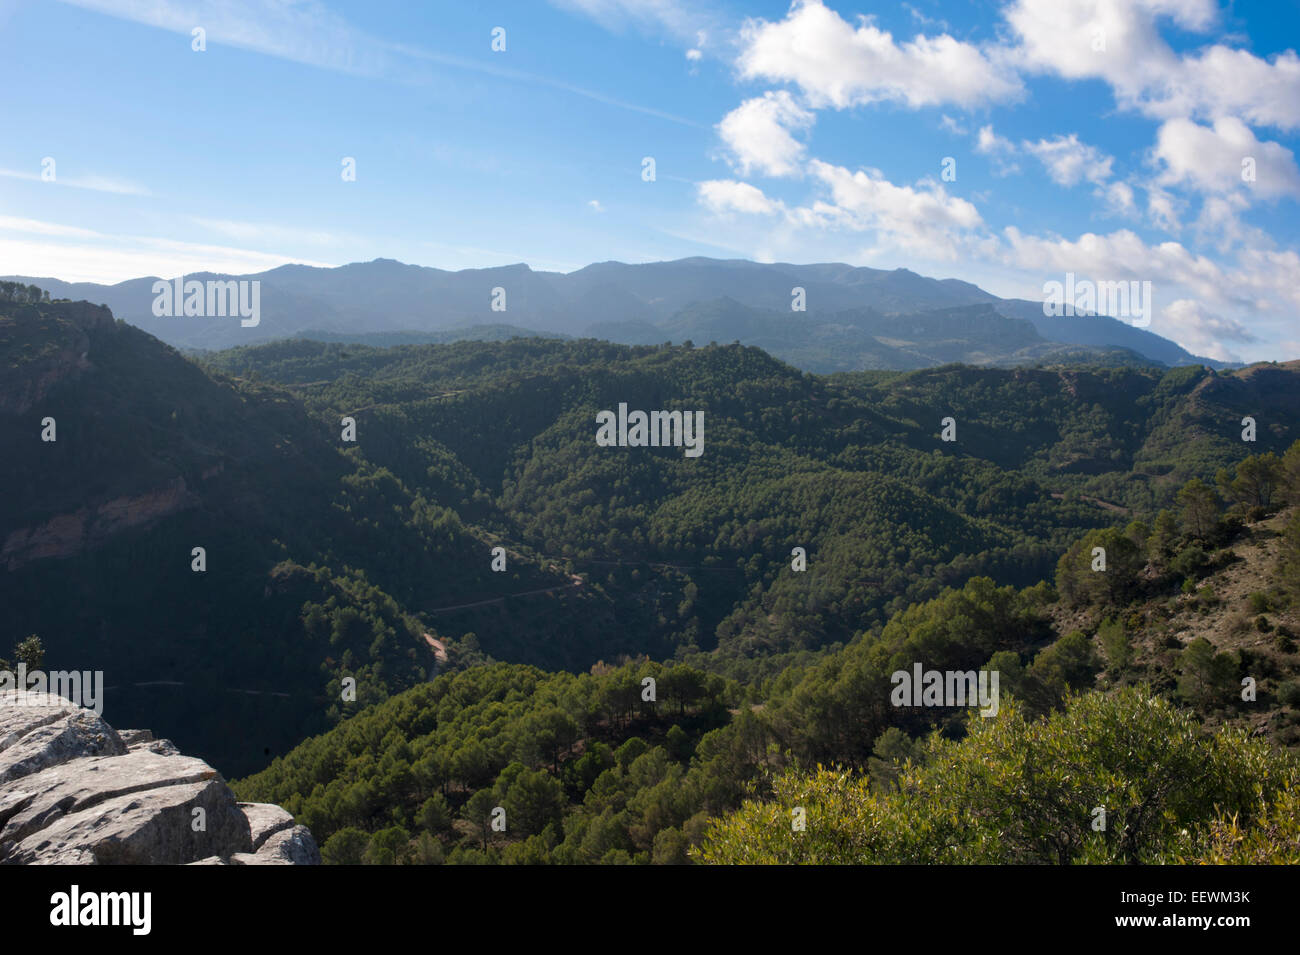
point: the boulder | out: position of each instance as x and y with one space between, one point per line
264 820
293 846
75 791
53 731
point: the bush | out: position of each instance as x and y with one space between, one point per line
345 847
1016 791
1208 678
1289 693
1189 563
1116 644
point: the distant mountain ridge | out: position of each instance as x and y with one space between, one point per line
856 318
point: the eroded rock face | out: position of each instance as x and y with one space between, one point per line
69 534
75 791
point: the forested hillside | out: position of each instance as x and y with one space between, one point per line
1114 702
325 559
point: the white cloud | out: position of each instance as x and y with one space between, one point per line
1121 255
724 196
1259 279
924 20
1119 198
1220 225
1069 161
595 205
951 125
1269 274
1223 81
1163 210
998 148
837 64
922 219
1199 331
1209 159
757 132
1211 303
989 143
1118 41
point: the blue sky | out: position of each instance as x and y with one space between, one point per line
1102 137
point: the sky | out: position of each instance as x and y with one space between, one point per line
1003 142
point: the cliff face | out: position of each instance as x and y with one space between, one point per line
69 534
75 791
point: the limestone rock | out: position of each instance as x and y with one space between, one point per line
294 846
75 791
264 821
33 737
81 784
153 827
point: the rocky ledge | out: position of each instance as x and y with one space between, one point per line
75 791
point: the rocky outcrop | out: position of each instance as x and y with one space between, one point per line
75 791
70 534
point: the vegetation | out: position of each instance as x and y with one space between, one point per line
1082 538
1124 778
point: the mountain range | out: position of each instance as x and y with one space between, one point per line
855 318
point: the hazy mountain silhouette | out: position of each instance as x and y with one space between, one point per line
855 317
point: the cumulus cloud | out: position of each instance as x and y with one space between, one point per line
837 64
868 194
1200 331
1121 255
998 148
1119 198
1210 159
1227 277
1163 210
757 133
723 196
1119 42
951 125
1069 161
921 218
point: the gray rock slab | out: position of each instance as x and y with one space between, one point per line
153 827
